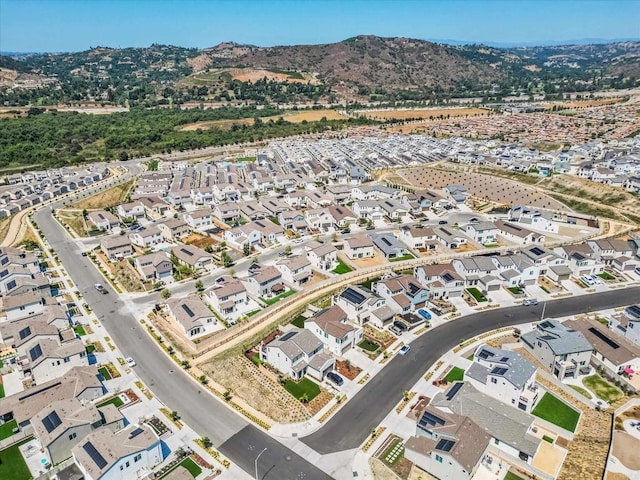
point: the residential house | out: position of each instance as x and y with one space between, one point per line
402 293
296 270
200 219
368 209
23 305
174 229
292 220
607 250
116 247
484 233
516 270
518 234
297 353
441 280
362 306
478 271
229 297
504 375
319 219
103 220
264 281
192 257
616 354
146 237
393 209
192 315
132 210
154 266
389 245
253 211
64 423
154 207
359 246
561 350
449 237
132 452
342 216
580 259
323 257
47 358
331 326
418 238
227 212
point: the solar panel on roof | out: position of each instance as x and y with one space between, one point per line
453 390
51 422
186 252
604 338
386 241
35 352
287 336
447 277
24 333
97 458
537 251
546 325
136 432
429 418
513 227
353 296
187 310
504 359
634 310
445 445
499 371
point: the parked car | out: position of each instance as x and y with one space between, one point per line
370 227
596 279
84 254
424 314
335 378
442 222
530 302
346 230
130 362
587 279
637 270
404 349
400 326
101 288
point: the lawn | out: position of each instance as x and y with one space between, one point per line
393 453
303 386
190 465
367 283
408 256
1 391
117 401
603 389
91 348
606 276
271 301
105 373
341 268
79 330
455 374
581 390
298 321
512 476
477 294
12 465
368 345
6 429
515 290
253 312
557 412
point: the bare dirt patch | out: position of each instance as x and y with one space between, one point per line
377 259
288 116
616 476
625 449
75 221
347 369
108 198
200 241
434 114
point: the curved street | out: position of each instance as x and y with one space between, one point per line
234 436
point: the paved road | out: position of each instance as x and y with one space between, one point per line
353 422
230 432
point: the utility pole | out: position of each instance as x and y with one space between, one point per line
256 462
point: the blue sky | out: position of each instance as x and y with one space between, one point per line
72 25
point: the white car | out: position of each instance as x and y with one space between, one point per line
130 362
588 280
404 350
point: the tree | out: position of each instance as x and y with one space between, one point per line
227 261
174 416
206 442
165 293
199 286
304 398
246 249
288 250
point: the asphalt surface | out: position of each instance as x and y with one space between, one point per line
353 423
231 433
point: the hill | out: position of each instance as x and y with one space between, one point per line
362 68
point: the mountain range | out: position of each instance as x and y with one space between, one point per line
362 67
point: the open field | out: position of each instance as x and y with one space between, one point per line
107 198
288 116
576 104
248 75
426 114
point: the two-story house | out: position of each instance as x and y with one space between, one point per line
358 246
402 293
441 280
229 297
263 281
331 326
362 306
116 247
154 266
192 316
323 257
296 270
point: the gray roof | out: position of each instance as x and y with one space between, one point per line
302 341
504 363
506 423
388 243
561 340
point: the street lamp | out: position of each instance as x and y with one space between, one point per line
256 462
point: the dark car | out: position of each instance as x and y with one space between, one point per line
442 222
346 230
370 227
335 378
400 326
84 254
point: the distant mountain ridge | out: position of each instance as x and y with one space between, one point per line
359 68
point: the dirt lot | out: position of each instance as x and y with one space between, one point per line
289 116
431 114
200 241
485 187
108 198
377 259
578 104
257 387
625 449
74 219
